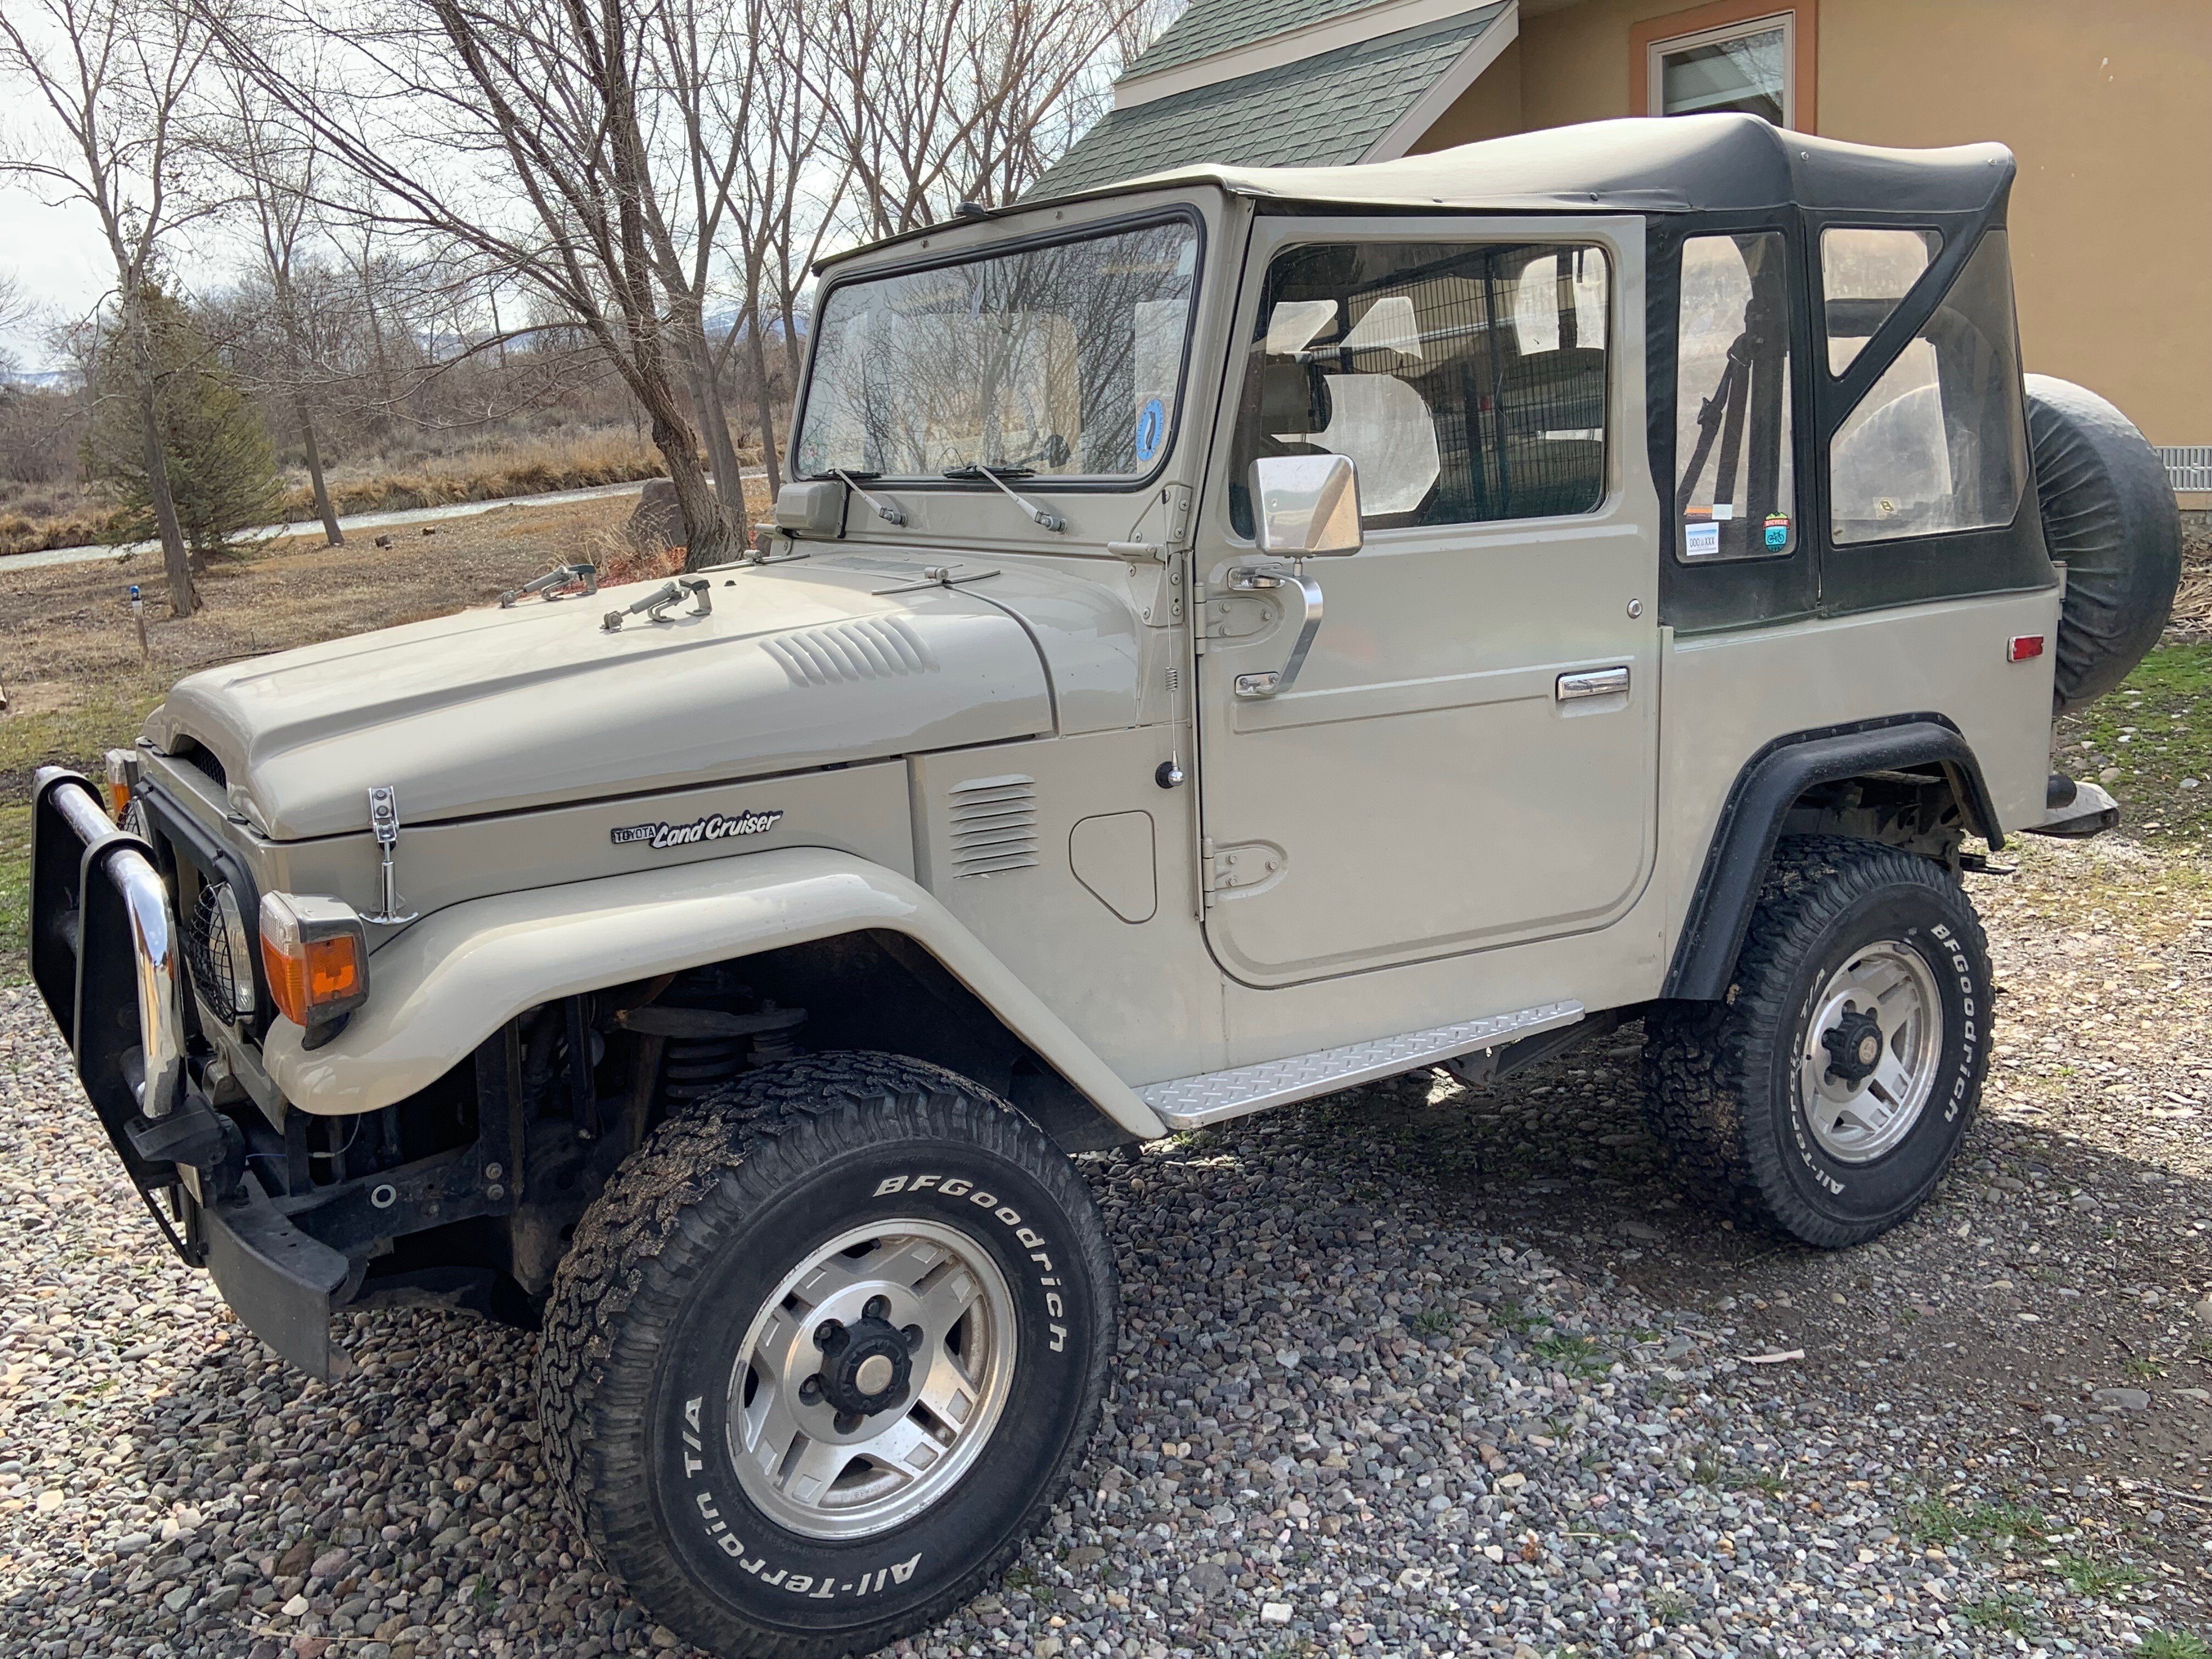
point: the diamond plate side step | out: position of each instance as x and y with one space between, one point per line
1191 1103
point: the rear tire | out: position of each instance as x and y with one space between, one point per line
1825 1095
771 1470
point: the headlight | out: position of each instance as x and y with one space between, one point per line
220 952
314 952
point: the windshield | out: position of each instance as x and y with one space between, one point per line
1064 361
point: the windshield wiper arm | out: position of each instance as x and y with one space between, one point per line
998 475
885 510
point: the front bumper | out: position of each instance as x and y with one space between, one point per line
106 956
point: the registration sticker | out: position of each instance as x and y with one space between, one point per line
1151 427
1700 541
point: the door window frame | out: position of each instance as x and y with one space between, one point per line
1620 237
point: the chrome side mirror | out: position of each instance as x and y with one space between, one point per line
1305 506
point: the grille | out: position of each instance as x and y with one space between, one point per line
994 825
217 953
199 756
2188 466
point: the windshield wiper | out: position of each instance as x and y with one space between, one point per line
998 474
885 510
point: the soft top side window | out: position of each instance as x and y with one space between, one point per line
1735 492
1939 443
1467 383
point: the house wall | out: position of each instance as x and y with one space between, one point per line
2108 107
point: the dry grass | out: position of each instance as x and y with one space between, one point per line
488 474
32 521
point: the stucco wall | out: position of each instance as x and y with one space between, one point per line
2108 105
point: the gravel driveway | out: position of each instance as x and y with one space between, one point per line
1404 1372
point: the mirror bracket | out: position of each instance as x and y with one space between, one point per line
1253 579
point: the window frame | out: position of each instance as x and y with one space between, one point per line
1600 235
1724 20
970 253
1677 532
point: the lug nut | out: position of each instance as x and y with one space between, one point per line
809 1391
878 1307
830 1336
847 1422
912 1335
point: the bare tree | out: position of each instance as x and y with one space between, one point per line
275 164
935 103
790 188
113 76
513 134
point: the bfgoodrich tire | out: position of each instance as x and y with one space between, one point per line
1826 1094
824 1352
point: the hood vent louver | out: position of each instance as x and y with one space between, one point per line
866 648
993 821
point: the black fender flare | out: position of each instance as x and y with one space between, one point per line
1751 822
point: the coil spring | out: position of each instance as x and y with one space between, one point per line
694 1067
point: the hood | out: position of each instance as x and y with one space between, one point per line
799 664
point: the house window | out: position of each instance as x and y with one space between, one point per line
1748 66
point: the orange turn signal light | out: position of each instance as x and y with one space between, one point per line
122 777
315 953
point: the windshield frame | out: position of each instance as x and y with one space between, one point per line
1185 212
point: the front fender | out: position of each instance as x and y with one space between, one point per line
452 979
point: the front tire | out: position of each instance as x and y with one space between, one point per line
824 1352
1826 1094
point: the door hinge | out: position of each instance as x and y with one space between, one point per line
1232 869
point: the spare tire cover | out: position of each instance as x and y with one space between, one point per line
2109 514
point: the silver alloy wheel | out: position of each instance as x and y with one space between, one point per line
871 1381
1882 1012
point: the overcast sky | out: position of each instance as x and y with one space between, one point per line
57 257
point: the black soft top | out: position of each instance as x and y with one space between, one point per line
1677 164
1719 163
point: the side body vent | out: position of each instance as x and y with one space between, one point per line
867 649
994 825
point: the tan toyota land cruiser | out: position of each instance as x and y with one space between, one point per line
724 972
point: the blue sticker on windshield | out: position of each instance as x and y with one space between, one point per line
1151 427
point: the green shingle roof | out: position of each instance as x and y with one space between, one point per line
1210 25
1318 111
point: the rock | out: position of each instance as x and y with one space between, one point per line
1083 1555
2203 1310
1047 1647
329 1565
49 1501
665 1638
656 520
2122 1400
1288 1359
1274 1613
1641 1230
294 1608
1208 1581
295 1561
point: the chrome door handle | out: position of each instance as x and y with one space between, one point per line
1251 579
1594 682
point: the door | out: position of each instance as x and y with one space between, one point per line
1467 757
